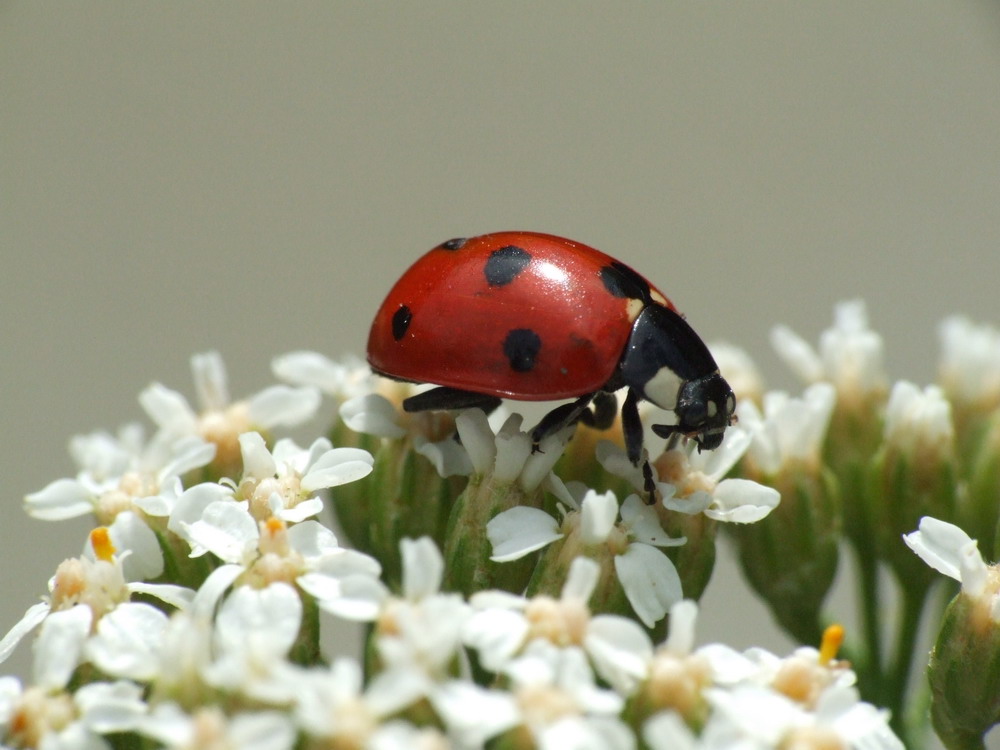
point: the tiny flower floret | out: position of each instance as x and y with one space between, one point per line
951 551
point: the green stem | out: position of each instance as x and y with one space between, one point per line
870 678
902 663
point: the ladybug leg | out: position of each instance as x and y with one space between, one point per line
601 414
559 417
632 431
444 398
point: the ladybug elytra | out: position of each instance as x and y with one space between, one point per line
535 317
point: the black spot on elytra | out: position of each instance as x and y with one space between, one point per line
454 244
521 348
401 321
505 264
622 281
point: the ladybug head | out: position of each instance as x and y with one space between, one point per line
704 410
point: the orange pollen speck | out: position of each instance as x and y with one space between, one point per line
833 639
101 542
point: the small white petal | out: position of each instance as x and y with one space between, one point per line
59 646
650 581
145 558
191 453
34 617
598 513
59 500
513 448
474 714
620 649
939 544
797 353
372 414
582 579
643 524
169 410
448 457
312 539
338 466
264 730
309 368
975 574
668 731
477 438
284 406
226 530
192 503
497 634
520 531
128 641
257 459
179 597
539 463
212 589
110 707
742 501
683 617
300 512
423 567
272 616
210 380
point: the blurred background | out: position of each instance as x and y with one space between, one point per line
253 177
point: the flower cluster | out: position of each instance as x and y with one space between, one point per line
517 595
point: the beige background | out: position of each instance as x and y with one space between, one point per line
252 177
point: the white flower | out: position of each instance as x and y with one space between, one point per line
333 703
342 379
219 420
791 430
918 421
96 582
970 362
254 631
648 577
420 631
374 414
560 703
850 354
505 624
118 475
756 699
46 715
949 550
282 482
692 482
171 727
344 582
509 454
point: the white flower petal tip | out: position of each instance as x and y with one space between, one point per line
941 545
742 501
650 581
372 414
520 531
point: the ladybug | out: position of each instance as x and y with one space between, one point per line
535 317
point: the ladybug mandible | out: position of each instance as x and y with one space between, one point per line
534 317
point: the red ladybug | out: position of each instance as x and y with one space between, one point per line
534 317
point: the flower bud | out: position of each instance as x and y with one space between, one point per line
914 474
964 671
790 557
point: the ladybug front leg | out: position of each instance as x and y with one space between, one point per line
632 432
444 398
559 417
